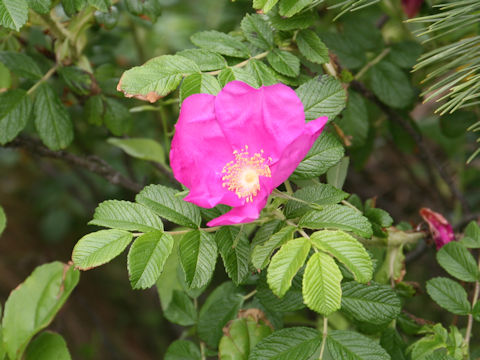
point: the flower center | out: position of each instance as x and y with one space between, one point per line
242 174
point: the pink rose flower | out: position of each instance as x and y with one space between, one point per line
236 147
411 7
442 231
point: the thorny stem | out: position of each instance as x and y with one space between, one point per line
324 337
243 63
371 63
476 291
44 78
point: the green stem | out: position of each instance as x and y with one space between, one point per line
371 63
243 63
324 337
249 295
44 78
288 186
476 292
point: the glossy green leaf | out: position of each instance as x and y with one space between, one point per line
125 215
337 174
147 257
15 110
78 80
234 73
257 31
471 237
350 345
393 343
285 264
34 303
48 346
265 5
295 343
312 47
102 5
234 248
181 310
164 202
347 250
291 301
205 59
262 252
116 117
374 303
354 121
337 217
291 7
302 20
261 72
322 291
458 262
40 6
100 247
220 43
52 119
199 84
322 96
183 350
13 13
21 64
198 255
140 148
284 62
449 294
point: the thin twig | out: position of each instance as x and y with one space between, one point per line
476 291
324 336
44 78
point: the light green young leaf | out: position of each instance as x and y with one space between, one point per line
291 301
265 5
199 84
48 346
295 343
325 153
471 237
34 304
347 250
458 262
157 77
205 59
285 264
257 31
183 350
234 73
262 252
5 77
449 294
337 217
125 215
21 64
13 13
3 221
220 43
221 306
15 110
322 291
100 247
234 247
52 119
102 5
147 257
163 201
350 345
284 62
198 255
117 118
181 310
374 303
323 96
40 6
261 72
291 7
312 47
140 148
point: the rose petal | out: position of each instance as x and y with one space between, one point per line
241 214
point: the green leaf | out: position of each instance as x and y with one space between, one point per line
102 5
262 252
337 217
241 337
221 306
20 64
94 110
234 247
198 255
72 6
312 47
78 80
291 301
3 220
117 118
125 215
205 59
261 72
40 6
374 303
325 152
323 96
5 78
320 194
347 250
181 310
350 345
296 22
164 202
265 5
391 85
220 43
458 262
52 119
15 110
322 291
350 55
286 263
405 54
295 343
354 121
471 237
234 73
48 346
100 247
169 279
34 303
140 148
456 124
284 62
199 84
13 13
393 343
157 77
449 294
337 174
183 350
291 7
146 258
257 31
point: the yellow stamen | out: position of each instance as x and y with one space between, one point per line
242 174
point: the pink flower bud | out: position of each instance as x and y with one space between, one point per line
440 229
